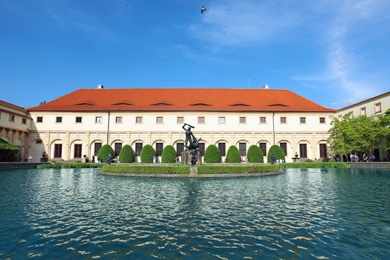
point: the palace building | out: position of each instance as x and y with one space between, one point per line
76 125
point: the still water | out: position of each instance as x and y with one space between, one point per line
302 214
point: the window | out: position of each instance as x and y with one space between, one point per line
378 108
263 120
77 150
263 148
302 120
39 119
159 148
201 120
322 120
221 120
201 149
98 119
180 120
97 148
363 111
242 120
283 120
59 119
57 150
159 120
11 118
138 148
323 152
179 148
303 150
118 120
138 120
118 148
24 121
78 119
222 148
284 148
242 148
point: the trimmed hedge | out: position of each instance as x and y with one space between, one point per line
255 155
126 154
8 152
242 168
147 154
277 151
69 165
315 165
212 154
233 155
168 155
104 151
160 169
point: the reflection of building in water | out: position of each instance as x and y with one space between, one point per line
81 122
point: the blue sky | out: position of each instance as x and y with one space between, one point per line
333 52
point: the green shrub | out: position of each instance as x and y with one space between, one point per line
147 154
332 160
233 155
8 152
104 151
212 154
277 152
238 168
69 165
139 169
308 160
127 154
315 165
255 155
168 155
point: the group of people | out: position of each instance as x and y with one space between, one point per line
355 158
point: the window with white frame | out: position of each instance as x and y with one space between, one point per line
363 111
11 118
159 120
322 120
118 120
138 120
201 120
263 120
79 119
302 120
283 120
98 119
242 120
59 119
180 120
221 120
39 119
378 107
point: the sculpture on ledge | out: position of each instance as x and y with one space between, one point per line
191 143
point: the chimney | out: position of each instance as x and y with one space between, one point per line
100 87
265 86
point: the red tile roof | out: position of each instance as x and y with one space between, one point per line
182 99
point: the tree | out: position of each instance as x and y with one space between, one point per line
126 154
104 151
8 152
255 155
168 155
212 154
147 154
277 152
233 155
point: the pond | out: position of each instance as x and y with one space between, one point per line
78 213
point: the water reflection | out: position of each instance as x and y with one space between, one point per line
300 214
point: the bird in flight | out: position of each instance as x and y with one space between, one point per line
203 9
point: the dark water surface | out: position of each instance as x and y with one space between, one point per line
302 214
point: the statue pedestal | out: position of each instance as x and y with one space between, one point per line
193 170
186 158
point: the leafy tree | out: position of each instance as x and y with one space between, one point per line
212 154
362 133
147 154
126 155
255 155
104 151
169 154
233 155
8 152
277 152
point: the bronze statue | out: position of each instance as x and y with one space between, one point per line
191 143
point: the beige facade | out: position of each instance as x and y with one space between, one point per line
14 127
69 136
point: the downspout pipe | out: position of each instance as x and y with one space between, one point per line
273 126
108 124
